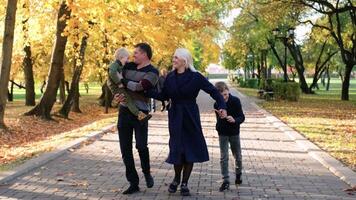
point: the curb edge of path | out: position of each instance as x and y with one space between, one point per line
44 158
332 164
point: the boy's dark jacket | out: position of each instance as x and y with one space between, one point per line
234 109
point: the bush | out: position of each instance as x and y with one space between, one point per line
252 83
242 83
286 90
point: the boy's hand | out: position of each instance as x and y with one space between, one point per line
230 119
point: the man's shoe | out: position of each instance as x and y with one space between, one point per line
172 188
224 186
184 190
238 180
149 180
132 189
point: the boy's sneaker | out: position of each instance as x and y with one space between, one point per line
184 191
238 180
224 186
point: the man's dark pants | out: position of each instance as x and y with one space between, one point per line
128 123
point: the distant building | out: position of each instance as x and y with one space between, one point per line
216 69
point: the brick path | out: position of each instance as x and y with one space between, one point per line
274 167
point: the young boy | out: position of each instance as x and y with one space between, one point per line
229 132
116 86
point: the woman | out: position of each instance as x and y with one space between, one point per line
186 143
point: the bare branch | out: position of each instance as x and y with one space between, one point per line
315 25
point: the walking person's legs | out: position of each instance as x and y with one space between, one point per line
177 177
236 152
163 107
224 161
141 134
187 170
125 137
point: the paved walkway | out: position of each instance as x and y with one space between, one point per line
274 167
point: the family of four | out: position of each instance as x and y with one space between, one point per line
134 83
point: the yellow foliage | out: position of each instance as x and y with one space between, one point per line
165 25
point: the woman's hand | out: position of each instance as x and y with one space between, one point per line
230 119
222 113
119 98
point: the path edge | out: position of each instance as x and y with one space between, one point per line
44 158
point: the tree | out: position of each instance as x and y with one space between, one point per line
27 61
6 56
341 24
44 107
72 101
319 51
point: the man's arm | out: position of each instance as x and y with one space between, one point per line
148 82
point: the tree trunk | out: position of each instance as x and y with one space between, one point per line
76 107
270 71
62 90
253 67
29 80
72 101
11 94
86 85
323 79
297 56
103 99
346 82
107 99
44 107
284 68
328 77
8 95
66 84
27 62
43 86
6 57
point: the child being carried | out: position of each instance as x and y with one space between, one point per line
116 86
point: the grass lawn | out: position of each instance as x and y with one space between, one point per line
323 118
28 135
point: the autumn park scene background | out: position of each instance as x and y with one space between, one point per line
295 58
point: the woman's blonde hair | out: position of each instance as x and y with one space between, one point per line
121 53
184 54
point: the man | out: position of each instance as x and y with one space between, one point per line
138 77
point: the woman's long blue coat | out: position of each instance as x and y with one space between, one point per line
186 142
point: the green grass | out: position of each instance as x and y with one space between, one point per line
334 92
94 89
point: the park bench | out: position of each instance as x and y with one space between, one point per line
263 94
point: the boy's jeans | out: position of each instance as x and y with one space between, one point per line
224 154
